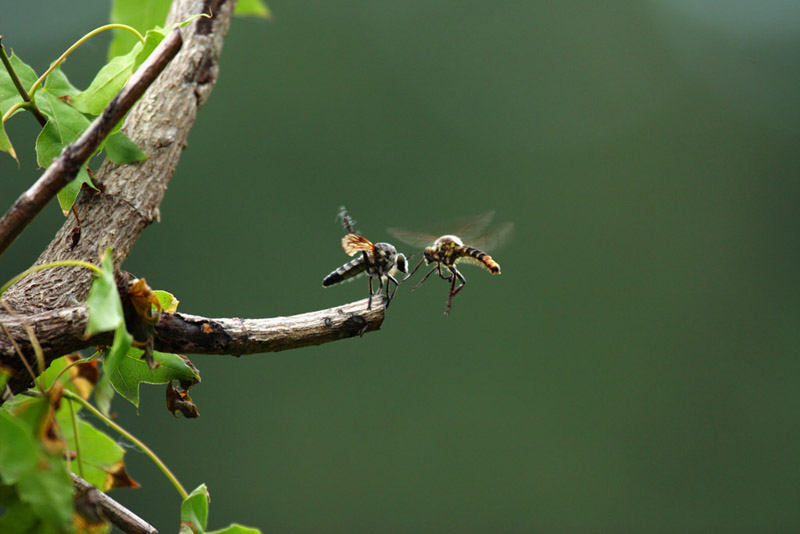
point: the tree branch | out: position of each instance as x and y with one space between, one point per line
61 331
65 167
109 509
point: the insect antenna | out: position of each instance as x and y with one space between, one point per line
347 222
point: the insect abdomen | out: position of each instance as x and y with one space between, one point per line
348 271
482 258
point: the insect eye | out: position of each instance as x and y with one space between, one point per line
402 264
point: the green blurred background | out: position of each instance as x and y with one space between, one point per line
634 368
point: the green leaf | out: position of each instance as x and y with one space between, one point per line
19 452
57 84
132 370
120 149
152 39
8 91
105 306
194 511
68 193
236 528
18 517
5 142
104 391
64 125
167 300
106 84
41 478
141 14
100 454
252 8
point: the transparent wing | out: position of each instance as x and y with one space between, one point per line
415 239
355 243
475 226
494 239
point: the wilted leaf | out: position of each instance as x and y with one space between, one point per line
68 193
64 125
80 379
178 400
105 306
144 301
140 14
132 371
252 8
106 84
120 149
194 511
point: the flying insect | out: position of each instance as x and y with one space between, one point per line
379 260
448 250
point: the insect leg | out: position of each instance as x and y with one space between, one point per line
390 278
414 270
369 302
453 289
426 277
448 277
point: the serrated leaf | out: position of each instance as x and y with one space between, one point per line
120 149
9 95
140 14
252 8
194 511
236 528
57 84
68 193
106 84
104 391
169 303
64 125
132 370
105 306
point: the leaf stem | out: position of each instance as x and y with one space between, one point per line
18 84
79 42
144 448
63 263
77 438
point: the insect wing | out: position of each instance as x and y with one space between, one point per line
495 238
475 226
355 243
415 239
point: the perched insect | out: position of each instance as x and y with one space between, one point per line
376 260
447 250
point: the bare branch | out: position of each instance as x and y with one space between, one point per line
65 167
61 331
111 510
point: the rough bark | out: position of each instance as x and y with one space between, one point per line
130 195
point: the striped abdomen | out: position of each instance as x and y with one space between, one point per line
480 258
348 271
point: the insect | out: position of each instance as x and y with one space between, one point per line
379 260
448 250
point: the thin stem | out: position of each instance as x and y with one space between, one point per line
22 355
18 84
77 438
79 42
144 448
69 366
63 263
